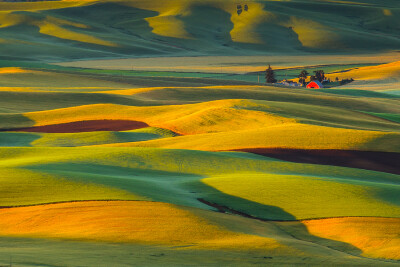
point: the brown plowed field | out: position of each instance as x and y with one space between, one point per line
369 160
85 126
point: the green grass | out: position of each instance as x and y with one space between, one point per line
331 116
37 65
17 139
387 116
34 252
339 35
98 138
250 77
277 94
170 176
21 102
305 197
359 93
24 187
246 77
345 33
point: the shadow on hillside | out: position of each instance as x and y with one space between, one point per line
20 102
209 33
187 190
285 221
217 200
124 25
11 139
299 231
12 121
156 185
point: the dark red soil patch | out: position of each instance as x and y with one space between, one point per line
85 126
370 160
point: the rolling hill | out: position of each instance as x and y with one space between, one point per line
137 132
59 30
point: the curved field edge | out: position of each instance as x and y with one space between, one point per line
25 139
375 237
233 119
285 106
168 175
25 187
304 197
121 221
155 224
367 160
185 28
286 136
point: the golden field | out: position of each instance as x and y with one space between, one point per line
136 132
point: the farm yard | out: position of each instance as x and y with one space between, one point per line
140 133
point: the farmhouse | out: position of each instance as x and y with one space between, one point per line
289 83
315 85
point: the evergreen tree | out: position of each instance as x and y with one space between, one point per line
303 76
269 75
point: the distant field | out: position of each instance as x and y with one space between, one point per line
241 64
142 133
69 30
364 68
149 161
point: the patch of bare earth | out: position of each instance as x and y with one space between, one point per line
369 160
85 126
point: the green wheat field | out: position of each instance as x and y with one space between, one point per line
143 133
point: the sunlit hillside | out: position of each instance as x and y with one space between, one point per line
144 133
60 30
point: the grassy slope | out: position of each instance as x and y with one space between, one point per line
255 185
12 139
95 138
295 136
246 124
72 29
44 188
151 173
284 63
369 241
74 178
163 220
170 176
383 72
339 113
135 220
391 117
273 94
123 254
310 197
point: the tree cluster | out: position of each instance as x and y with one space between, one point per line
346 81
303 77
319 75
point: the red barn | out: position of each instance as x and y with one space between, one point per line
315 85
